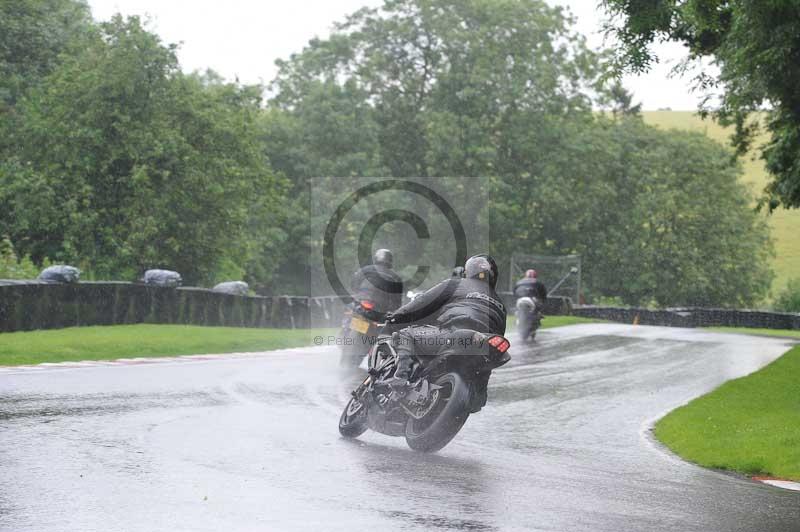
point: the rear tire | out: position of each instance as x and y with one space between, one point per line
353 421
436 429
526 332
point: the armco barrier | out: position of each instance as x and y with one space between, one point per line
692 317
29 305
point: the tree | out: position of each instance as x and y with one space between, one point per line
33 34
443 77
428 88
659 217
12 266
788 299
120 162
754 43
504 90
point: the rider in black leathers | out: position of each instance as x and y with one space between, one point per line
378 283
531 286
457 303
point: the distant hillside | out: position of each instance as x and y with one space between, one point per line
785 224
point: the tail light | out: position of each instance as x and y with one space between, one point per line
499 343
369 305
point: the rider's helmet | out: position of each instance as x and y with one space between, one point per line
482 267
383 257
530 274
458 272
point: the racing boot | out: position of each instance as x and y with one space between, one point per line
399 382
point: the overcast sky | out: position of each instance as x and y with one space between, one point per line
242 38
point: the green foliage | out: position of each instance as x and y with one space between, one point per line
633 201
788 299
438 83
754 43
651 215
501 89
114 160
422 88
33 34
120 161
14 267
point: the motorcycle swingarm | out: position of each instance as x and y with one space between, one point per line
418 398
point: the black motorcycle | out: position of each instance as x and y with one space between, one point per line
359 332
443 390
529 317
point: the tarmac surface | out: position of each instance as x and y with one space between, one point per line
250 443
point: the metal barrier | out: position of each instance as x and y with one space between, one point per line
29 305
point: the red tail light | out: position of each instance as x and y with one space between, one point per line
499 343
369 305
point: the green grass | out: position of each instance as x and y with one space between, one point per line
553 321
130 341
794 333
127 341
560 321
750 425
785 224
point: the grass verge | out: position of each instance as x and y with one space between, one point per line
750 425
785 333
553 321
560 321
128 341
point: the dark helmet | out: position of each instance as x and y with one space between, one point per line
482 267
458 272
384 257
530 274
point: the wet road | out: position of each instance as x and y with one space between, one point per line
251 444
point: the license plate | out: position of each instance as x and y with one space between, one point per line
359 325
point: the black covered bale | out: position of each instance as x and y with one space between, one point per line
60 273
163 278
236 288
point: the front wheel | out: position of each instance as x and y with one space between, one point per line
447 415
353 421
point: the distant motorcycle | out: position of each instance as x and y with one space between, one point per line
530 311
441 395
529 317
359 332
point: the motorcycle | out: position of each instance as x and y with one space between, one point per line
443 390
530 311
529 317
359 332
